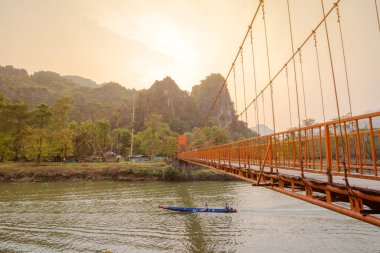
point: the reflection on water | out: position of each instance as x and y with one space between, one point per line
194 230
90 216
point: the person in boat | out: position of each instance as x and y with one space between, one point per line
205 209
227 206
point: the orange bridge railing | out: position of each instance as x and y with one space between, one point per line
313 163
350 146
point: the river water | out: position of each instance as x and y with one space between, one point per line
123 217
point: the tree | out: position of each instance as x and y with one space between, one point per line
122 137
151 141
61 110
13 120
5 146
170 146
35 143
119 115
215 135
239 130
207 136
62 142
103 137
179 125
196 138
40 117
15 116
2 99
84 138
61 135
308 122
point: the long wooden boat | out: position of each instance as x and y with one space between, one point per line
198 209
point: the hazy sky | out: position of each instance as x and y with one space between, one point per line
135 42
132 42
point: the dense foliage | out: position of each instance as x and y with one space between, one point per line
48 116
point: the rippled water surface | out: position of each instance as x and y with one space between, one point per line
123 217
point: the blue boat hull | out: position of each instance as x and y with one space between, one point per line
198 209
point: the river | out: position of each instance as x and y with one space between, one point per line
123 217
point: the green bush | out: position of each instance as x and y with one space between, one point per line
158 173
141 172
173 174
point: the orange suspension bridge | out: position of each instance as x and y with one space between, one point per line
334 164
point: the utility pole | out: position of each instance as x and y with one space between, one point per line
133 125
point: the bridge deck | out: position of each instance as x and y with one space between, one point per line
353 182
325 153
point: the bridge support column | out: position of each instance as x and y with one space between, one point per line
309 191
356 204
328 154
328 196
281 183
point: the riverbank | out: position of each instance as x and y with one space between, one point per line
155 171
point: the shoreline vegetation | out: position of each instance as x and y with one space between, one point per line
128 172
47 117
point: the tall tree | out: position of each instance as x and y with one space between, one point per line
35 144
61 111
40 117
84 139
152 140
6 142
62 142
122 138
103 131
15 116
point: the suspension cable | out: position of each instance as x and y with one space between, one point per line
294 65
344 57
233 64
220 112
331 62
269 72
218 109
296 84
255 81
226 114
319 74
287 85
377 14
291 58
245 98
235 87
237 119
265 129
335 92
303 84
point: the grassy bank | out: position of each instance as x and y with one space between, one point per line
155 171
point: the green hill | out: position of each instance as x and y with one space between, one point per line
181 110
84 82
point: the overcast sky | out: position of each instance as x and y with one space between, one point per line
135 42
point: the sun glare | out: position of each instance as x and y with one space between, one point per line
155 31
168 42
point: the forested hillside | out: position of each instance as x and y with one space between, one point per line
46 114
